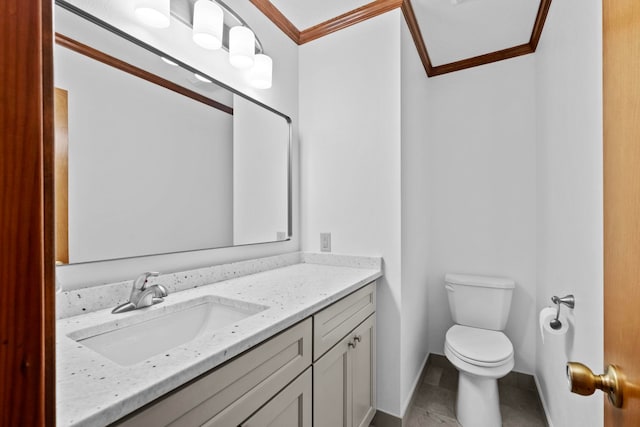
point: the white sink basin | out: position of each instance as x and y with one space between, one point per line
140 336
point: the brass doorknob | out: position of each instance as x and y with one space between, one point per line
583 381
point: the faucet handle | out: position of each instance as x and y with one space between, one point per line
141 280
141 296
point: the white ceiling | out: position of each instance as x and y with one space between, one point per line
451 32
307 13
470 28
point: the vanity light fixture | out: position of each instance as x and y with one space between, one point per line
214 26
242 45
208 21
260 75
154 13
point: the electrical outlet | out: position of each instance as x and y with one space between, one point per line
325 242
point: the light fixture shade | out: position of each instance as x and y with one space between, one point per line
260 75
208 20
242 47
202 78
154 13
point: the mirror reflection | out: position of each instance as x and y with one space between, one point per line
152 159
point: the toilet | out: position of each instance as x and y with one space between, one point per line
476 346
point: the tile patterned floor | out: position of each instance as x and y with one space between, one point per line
434 404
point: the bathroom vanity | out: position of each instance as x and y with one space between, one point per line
301 353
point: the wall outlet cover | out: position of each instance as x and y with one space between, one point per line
325 242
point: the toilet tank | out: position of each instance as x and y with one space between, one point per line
479 301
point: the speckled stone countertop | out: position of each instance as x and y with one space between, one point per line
93 391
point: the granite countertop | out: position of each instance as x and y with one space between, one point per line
93 390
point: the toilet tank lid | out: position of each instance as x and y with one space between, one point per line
486 281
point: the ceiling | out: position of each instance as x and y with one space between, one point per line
453 32
449 34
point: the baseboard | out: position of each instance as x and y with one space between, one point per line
545 408
415 386
383 419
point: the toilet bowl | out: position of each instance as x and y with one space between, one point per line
477 347
481 357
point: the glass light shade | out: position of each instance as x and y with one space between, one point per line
208 19
260 75
154 13
242 47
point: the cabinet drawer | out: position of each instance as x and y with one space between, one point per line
225 396
334 322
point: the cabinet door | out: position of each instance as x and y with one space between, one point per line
363 372
290 408
332 387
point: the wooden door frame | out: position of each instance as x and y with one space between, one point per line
621 156
27 290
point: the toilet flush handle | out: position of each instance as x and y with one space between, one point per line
449 288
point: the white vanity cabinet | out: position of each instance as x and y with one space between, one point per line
344 376
279 383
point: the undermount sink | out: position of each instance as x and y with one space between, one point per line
151 333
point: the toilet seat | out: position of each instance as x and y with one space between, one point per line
479 347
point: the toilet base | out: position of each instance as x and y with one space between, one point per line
478 404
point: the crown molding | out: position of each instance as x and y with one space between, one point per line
512 52
416 34
278 18
379 7
348 19
329 26
541 18
476 61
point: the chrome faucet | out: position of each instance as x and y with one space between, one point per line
143 295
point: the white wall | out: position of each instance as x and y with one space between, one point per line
466 171
569 199
415 217
350 162
481 185
283 96
260 178
503 161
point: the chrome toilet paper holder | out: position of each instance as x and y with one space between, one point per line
569 301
